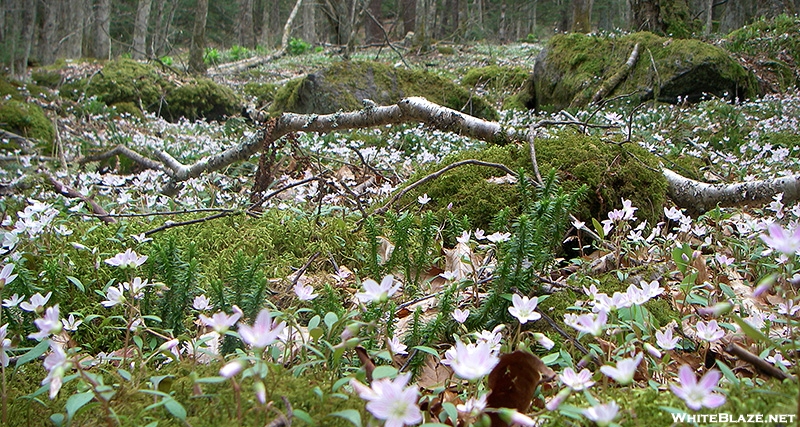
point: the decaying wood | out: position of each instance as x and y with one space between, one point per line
67 191
609 85
698 197
761 364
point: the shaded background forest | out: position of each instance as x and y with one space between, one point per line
39 32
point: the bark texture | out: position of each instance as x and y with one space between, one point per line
197 48
139 49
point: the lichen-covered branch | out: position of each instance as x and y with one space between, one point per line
127 152
700 197
609 85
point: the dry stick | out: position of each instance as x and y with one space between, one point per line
283 420
569 337
437 174
71 193
762 365
11 136
304 268
261 201
185 211
609 85
532 147
169 225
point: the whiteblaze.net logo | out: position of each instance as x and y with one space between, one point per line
733 419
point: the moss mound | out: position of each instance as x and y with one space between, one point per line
201 98
611 172
572 67
771 48
343 86
127 82
26 119
496 77
264 93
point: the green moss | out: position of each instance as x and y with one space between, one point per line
46 78
573 66
263 92
775 44
201 98
343 86
125 80
611 172
26 119
496 78
128 108
446 50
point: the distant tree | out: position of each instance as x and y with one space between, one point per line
101 46
372 29
310 22
245 33
409 12
165 14
197 47
47 33
139 48
582 16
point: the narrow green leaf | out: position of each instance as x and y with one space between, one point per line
750 331
77 283
33 353
211 380
303 416
124 374
76 402
350 415
428 350
728 373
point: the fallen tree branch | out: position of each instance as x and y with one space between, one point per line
609 85
127 152
762 365
65 190
700 197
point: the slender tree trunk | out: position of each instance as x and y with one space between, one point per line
581 16
310 22
102 33
501 31
409 15
47 35
158 28
371 28
421 31
71 44
709 15
139 49
245 33
198 44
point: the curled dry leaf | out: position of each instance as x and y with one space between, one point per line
513 381
366 361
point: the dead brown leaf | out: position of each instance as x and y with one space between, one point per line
513 381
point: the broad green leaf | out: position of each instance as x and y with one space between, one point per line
76 402
57 419
330 319
176 409
314 322
339 383
350 415
303 416
550 359
384 371
124 374
450 409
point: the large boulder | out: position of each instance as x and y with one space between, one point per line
343 86
573 67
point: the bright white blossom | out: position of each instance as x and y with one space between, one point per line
709 331
423 199
543 340
57 365
373 292
37 302
5 275
665 340
499 237
602 415
48 325
114 296
264 331
588 323
391 400
231 369
5 345
460 315
70 323
471 361
524 309
576 381
304 292
127 259
220 321
396 346
202 303
13 301
624 371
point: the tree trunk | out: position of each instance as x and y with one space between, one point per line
139 49
28 21
581 16
409 15
47 35
310 22
102 33
646 16
197 47
372 29
71 44
245 33
736 14
165 14
422 36
501 31
709 15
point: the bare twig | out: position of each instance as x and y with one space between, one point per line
386 36
762 365
172 224
272 194
283 420
127 152
299 273
437 174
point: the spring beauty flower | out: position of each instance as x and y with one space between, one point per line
48 325
624 371
460 315
698 394
304 292
782 240
665 340
264 331
36 304
220 321
603 415
471 361
524 309
709 331
127 259
576 381
391 400
373 292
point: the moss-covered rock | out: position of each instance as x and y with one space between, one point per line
125 80
498 80
201 98
572 67
611 172
771 49
344 85
264 93
46 78
26 119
